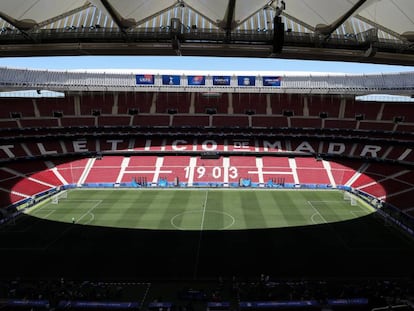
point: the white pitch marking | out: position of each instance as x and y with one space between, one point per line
316 212
204 211
90 210
48 214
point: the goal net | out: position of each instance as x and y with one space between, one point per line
350 197
60 195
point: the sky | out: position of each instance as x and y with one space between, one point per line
195 63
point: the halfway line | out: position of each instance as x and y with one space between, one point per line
200 236
204 211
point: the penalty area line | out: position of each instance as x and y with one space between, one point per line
89 211
338 236
316 213
70 227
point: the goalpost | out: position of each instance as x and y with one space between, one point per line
350 197
60 195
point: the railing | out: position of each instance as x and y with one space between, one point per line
390 213
321 83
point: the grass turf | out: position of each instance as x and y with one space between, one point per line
205 209
199 234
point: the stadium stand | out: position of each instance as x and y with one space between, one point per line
247 167
12 180
340 124
211 103
104 170
401 127
363 109
82 144
39 122
330 105
394 110
191 120
49 147
230 121
114 120
16 108
190 139
344 170
71 171
69 294
377 179
95 104
113 144
376 126
8 124
391 186
406 177
173 102
152 120
81 121
269 121
30 187
310 170
309 147
282 143
139 102
305 122
287 104
141 167
247 103
47 107
403 200
176 165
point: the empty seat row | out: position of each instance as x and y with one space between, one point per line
25 179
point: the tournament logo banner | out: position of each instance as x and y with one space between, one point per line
145 79
196 80
171 80
272 81
221 80
246 80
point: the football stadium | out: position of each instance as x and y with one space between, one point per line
147 189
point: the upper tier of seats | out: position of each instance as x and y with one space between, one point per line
217 110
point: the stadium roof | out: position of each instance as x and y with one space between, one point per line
374 31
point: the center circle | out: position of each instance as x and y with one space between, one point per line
202 220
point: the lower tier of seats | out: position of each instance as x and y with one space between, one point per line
22 180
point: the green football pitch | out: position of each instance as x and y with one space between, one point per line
201 209
203 233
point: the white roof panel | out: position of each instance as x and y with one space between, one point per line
396 15
315 12
39 10
394 18
213 9
140 9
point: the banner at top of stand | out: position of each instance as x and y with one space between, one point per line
171 80
221 80
145 79
196 80
272 81
246 80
